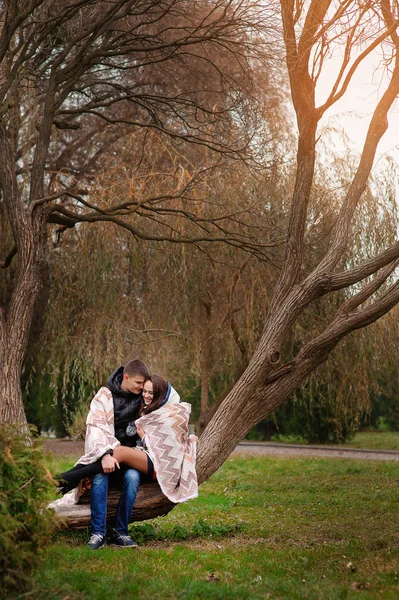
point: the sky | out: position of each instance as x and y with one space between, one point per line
353 112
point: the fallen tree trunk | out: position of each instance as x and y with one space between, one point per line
150 503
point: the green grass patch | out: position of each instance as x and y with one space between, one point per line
371 440
376 440
262 528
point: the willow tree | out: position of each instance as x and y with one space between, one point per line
190 315
77 77
197 318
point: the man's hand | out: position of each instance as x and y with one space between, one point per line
109 463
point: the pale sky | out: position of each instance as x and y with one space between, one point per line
355 109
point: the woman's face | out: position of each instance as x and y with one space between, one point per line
148 392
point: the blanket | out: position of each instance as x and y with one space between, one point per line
100 437
100 431
172 450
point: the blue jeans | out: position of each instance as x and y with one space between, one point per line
98 502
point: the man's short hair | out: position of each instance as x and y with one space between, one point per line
135 367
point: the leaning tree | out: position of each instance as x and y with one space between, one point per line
311 30
66 52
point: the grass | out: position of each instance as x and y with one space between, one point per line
262 528
372 440
377 440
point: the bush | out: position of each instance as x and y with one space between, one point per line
25 525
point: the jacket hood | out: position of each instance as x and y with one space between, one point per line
114 384
171 396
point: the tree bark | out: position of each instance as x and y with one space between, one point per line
12 407
16 321
16 324
29 232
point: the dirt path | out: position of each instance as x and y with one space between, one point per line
71 448
64 447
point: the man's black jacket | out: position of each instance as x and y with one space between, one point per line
126 406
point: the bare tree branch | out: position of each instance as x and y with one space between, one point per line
368 290
345 279
63 216
336 95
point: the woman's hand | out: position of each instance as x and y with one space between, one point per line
140 431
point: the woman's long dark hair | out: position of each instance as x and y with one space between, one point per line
160 387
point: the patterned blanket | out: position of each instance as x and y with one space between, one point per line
172 450
100 431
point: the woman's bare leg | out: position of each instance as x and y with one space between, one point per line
137 459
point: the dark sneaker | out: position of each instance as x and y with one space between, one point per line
96 541
124 541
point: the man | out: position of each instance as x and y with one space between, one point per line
105 425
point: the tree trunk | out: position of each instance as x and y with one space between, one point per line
29 231
15 326
150 503
11 404
250 401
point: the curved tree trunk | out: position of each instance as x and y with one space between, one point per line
29 232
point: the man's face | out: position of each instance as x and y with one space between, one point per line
134 383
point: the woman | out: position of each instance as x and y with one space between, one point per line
164 441
154 392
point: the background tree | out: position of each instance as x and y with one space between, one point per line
146 300
105 69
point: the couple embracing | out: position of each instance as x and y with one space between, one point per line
137 430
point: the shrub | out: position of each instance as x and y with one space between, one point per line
25 525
